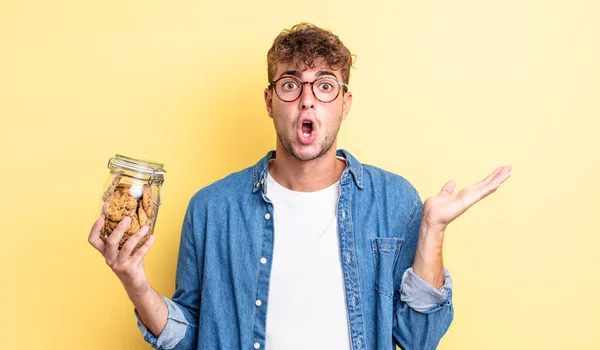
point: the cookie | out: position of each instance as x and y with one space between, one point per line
148 202
111 208
119 204
110 226
129 202
133 227
142 217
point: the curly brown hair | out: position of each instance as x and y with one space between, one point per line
305 44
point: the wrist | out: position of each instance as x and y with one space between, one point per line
431 234
138 294
430 245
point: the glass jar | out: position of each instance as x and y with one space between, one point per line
131 189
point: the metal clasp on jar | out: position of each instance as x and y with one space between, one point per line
156 179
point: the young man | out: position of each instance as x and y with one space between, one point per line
309 248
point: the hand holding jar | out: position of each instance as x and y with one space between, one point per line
124 232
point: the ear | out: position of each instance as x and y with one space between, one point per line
269 102
346 104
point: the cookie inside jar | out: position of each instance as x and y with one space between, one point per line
133 190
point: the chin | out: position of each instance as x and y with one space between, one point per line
305 155
310 152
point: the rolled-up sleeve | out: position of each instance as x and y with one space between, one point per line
173 332
421 296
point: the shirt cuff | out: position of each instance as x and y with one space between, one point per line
173 332
421 296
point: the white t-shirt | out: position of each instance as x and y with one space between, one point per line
306 308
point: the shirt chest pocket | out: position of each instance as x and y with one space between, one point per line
385 254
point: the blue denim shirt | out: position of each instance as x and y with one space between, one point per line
225 254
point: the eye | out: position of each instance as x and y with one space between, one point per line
288 85
326 87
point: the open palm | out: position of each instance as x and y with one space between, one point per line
442 209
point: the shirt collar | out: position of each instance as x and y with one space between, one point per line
353 167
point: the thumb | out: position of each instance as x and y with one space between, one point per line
448 188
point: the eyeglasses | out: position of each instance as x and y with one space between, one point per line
325 89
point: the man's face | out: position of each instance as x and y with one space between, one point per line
307 128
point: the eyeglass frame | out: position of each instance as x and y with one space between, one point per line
341 84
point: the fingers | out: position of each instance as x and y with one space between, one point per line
501 177
142 251
489 178
131 243
487 186
112 243
494 179
94 237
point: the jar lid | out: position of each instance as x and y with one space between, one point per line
137 165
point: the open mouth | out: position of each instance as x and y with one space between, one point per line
307 132
307 128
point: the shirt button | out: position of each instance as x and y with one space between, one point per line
267 216
256 345
262 181
263 260
257 184
358 343
258 303
348 258
344 214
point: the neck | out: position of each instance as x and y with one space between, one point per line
306 176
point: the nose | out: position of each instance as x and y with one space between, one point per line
307 98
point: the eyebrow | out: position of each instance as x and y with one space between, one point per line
298 74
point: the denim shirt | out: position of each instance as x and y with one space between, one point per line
226 250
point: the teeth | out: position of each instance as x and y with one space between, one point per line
306 135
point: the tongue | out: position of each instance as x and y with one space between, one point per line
306 128
303 132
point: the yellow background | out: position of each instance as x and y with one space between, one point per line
442 90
